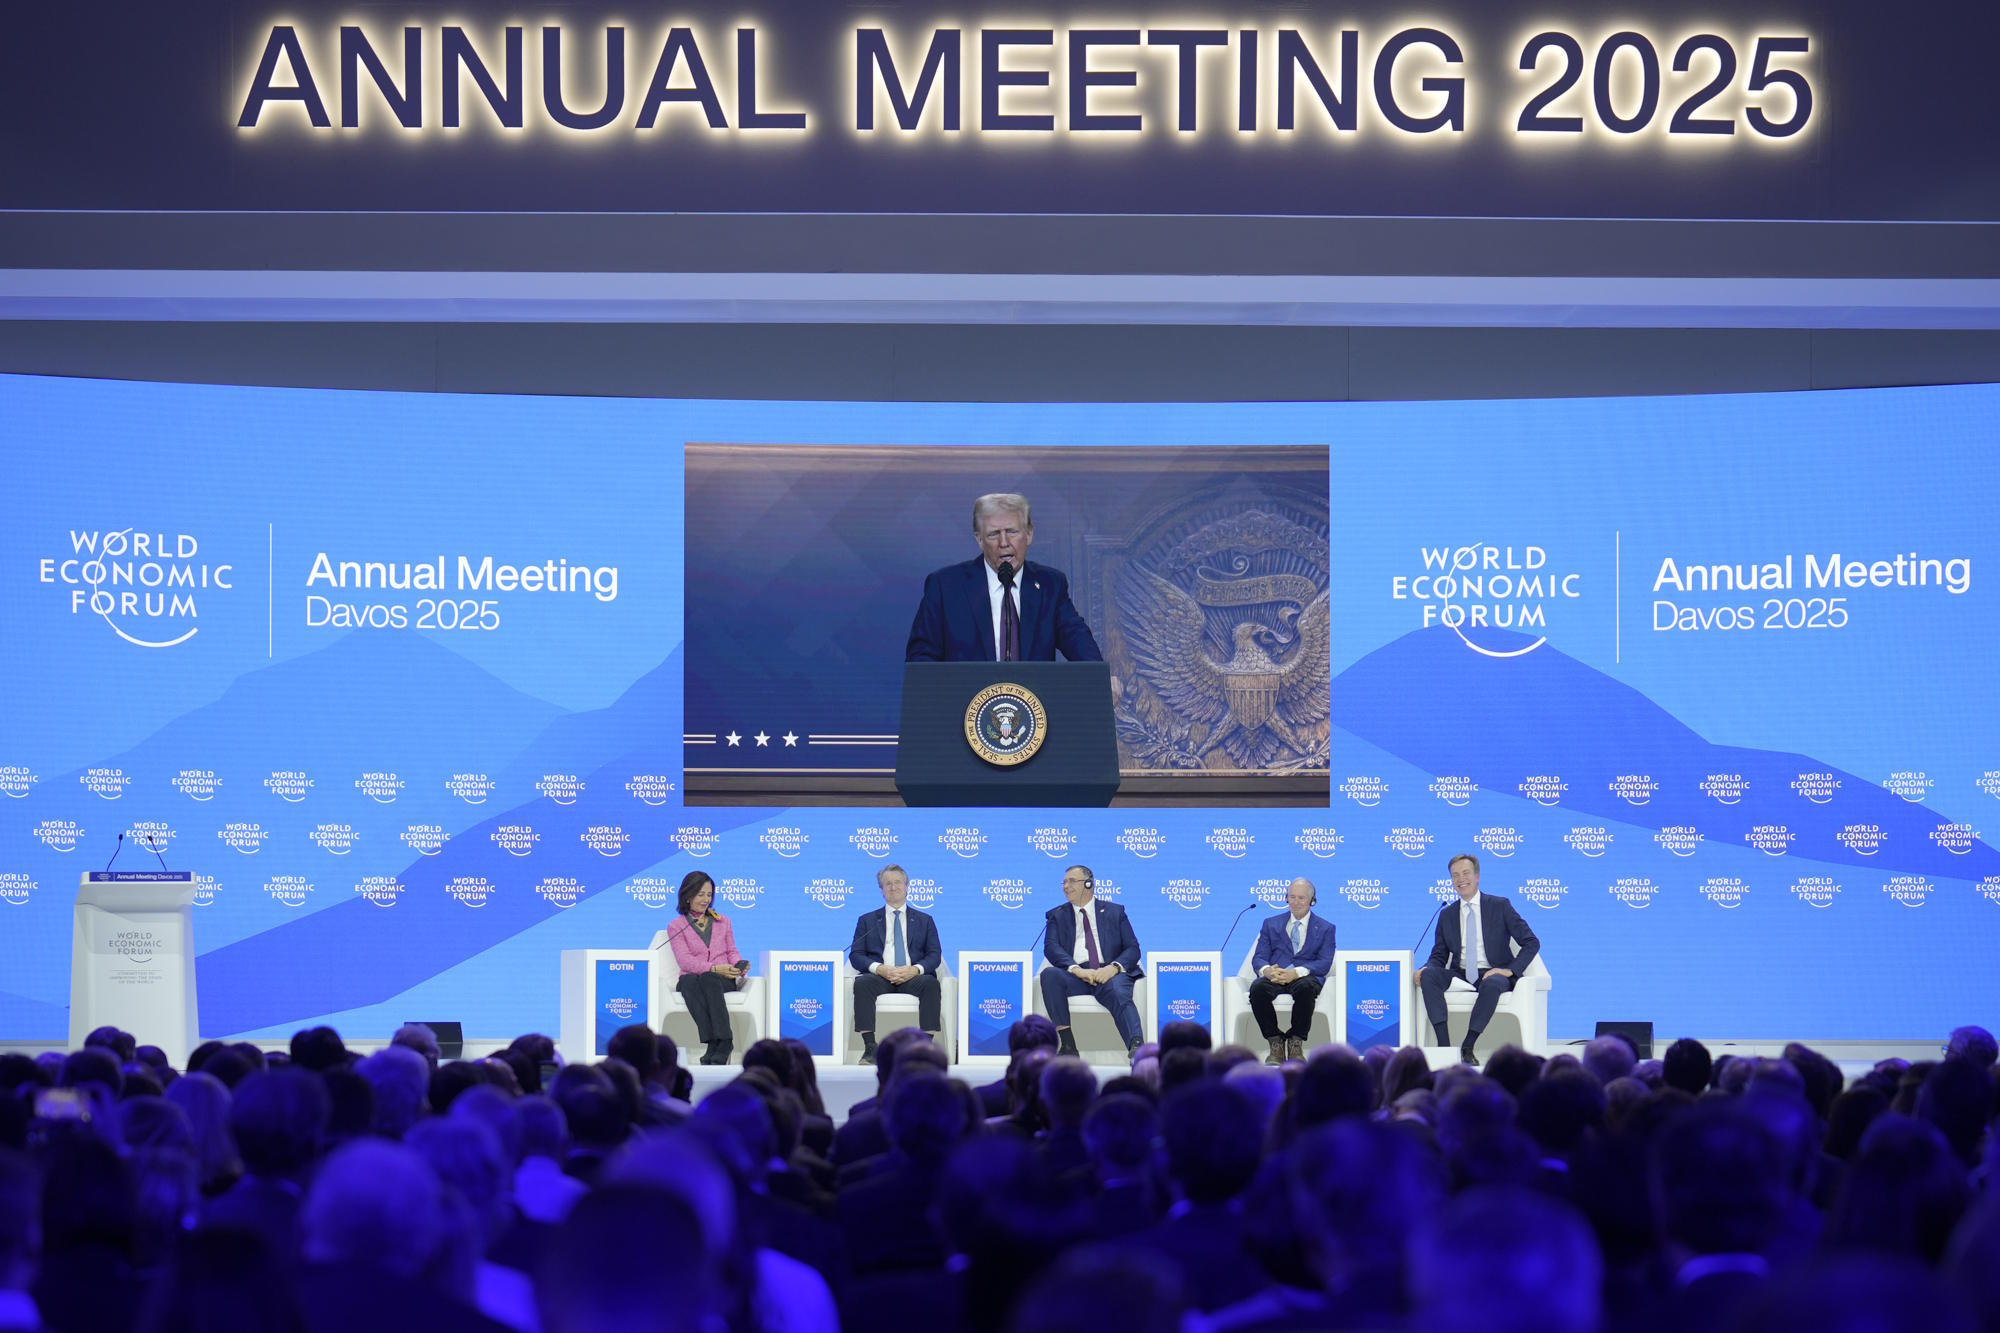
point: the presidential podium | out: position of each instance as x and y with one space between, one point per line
1007 733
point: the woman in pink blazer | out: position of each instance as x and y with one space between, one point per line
705 948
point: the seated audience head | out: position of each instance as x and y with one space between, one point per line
924 1116
1120 1133
1972 1043
448 1080
1514 1069
1358 1191
1024 1083
1212 1147
20 1220
1687 1066
120 1043
805 1075
735 1121
636 1045
155 1122
206 1104
1852 1113
1335 1083
1609 1057
1183 1034
543 1131
1068 1085
279 1119
1823 1079
1718 1181
93 1064
891 1048
319 1048
495 1110
1505 1249
1902 1194
770 1054
1264 1088
584 1282
1957 1100
375 1204
1151 1295
230 1065
1470 1108
352 1100
1182 1067
1558 1109
1033 1030
401 1080
682 1163
1408 1069
419 1038
467 1157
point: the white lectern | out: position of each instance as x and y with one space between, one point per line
132 958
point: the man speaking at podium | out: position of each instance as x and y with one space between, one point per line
999 607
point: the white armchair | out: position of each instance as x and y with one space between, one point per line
904 1004
1100 1044
745 1004
1239 1025
1527 1006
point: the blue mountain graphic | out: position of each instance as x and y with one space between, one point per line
367 701
432 933
1430 702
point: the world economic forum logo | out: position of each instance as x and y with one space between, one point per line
1475 589
379 890
148 588
16 781
560 891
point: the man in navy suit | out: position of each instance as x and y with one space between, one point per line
1092 950
896 952
1294 955
1501 947
998 607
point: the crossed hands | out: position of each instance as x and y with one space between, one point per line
1095 976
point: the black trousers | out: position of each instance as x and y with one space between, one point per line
1436 981
1305 998
704 1000
930 999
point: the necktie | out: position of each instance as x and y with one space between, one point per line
1470 934
1090 941
1010 626
898 952
1298 938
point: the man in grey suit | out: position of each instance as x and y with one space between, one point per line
1482 943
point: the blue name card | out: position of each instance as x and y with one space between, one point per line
805 1002
621 991
993 1004
1184 992
1374 1004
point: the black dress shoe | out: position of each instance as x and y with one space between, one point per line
1466 1055
867 1050
1065 1042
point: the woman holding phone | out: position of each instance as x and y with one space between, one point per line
705 948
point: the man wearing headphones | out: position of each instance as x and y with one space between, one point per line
1294 955
1092 950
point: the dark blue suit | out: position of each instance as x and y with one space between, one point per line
1509 943
1116 943
1274 949
871 946
954 621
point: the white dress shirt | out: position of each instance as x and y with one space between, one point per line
1465 935
1080 949
889 915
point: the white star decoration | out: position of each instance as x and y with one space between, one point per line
733 738
761 739
790 740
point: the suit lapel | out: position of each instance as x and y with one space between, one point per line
1030 604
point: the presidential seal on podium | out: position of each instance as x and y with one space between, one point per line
1005 724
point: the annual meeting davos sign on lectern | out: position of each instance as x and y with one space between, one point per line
132 958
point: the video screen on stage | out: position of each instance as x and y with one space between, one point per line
425 689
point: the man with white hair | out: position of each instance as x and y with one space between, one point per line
999 606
